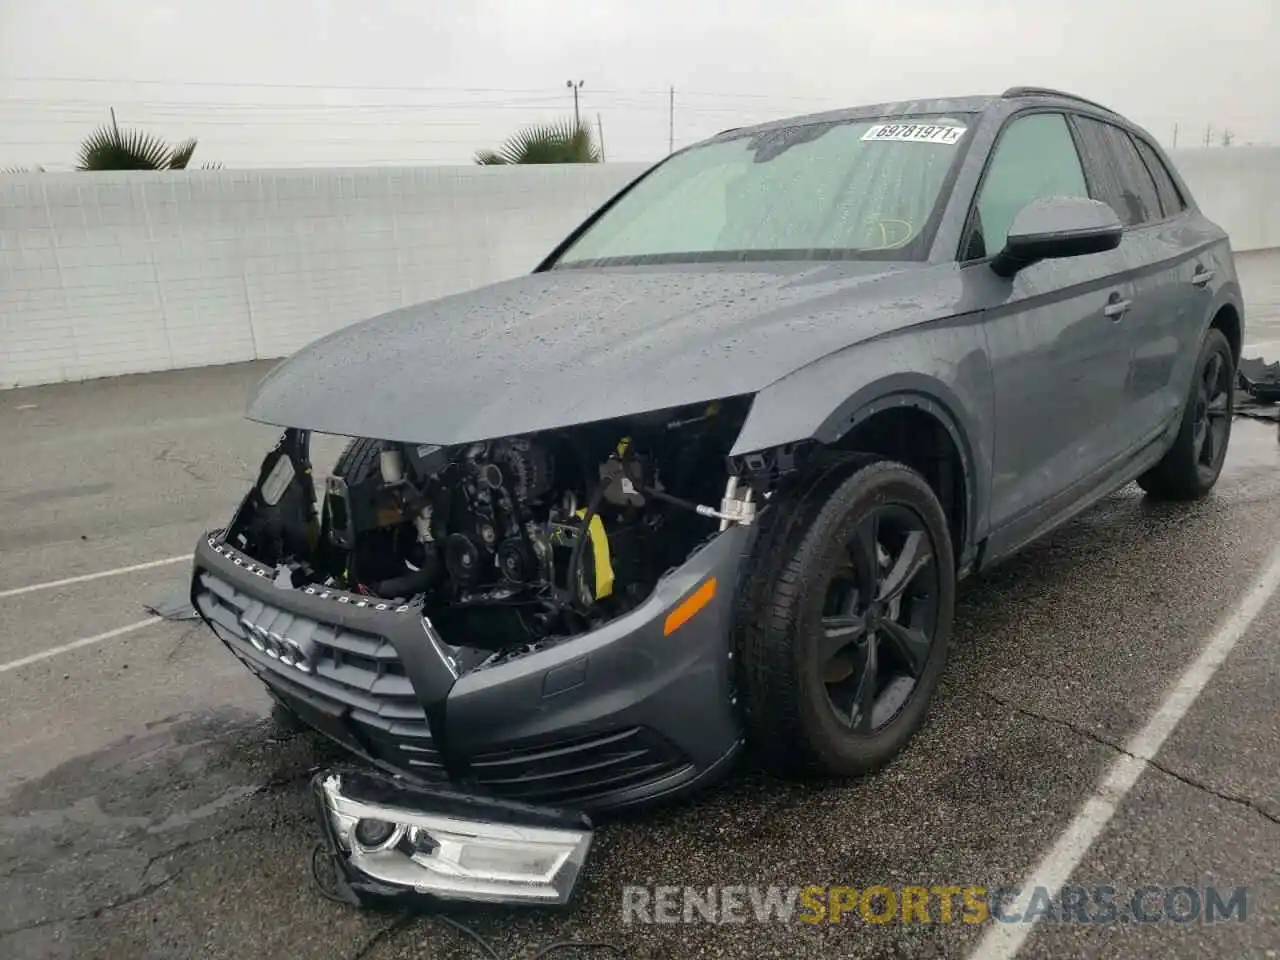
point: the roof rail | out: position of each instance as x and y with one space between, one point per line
1015 92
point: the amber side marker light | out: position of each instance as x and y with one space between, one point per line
689 606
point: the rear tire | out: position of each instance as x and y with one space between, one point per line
1191 467
841 644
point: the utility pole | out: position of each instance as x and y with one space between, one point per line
671 122
1175 136
114 129
1208 134
575 87
1227 137
600 134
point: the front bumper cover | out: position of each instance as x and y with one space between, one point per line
434 845
629 713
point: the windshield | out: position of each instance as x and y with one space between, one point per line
831 190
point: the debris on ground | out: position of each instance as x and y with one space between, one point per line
1260 386
175 607
1260 380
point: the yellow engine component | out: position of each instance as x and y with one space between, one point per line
601 563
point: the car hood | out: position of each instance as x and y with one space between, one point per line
571 346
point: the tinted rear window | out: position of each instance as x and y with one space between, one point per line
1117 175
1170 197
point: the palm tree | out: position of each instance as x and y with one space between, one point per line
36 169
554 142
110 148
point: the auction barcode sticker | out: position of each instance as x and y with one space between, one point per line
915 132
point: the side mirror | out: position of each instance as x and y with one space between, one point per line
1055 227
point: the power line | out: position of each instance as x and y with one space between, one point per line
67 111
414 89
541 91
289 142
267 86
655 100
45 103
79 122
64 111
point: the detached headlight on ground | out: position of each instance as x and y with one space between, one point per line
450 846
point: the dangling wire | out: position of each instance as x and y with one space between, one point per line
322 864
544 952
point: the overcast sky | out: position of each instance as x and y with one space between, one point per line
288 82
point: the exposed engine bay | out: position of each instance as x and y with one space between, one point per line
507 544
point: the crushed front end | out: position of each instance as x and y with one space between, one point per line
541 620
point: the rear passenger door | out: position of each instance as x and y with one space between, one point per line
1159 250
1059 362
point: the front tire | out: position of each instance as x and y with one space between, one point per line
1191 467
359 460
845 618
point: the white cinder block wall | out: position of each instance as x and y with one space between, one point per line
113 273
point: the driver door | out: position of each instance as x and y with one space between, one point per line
1059 359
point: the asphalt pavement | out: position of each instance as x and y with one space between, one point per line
150 809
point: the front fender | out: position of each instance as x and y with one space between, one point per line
941 368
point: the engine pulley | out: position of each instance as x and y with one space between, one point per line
464 558
517 561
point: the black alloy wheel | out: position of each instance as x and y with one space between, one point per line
1212 423
879 619
844 617
1191 466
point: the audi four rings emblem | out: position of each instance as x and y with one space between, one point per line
276 645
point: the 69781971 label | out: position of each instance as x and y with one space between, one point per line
915 132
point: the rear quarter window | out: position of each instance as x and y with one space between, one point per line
1116 172
1171 200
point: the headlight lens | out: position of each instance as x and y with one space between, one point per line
453 858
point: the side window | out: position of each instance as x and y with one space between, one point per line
1034 158
1170 197
1117 175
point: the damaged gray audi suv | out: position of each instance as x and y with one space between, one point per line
705 480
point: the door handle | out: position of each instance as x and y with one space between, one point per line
1117 309
1201 276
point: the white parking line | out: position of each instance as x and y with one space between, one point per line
1002 940
77 644
18 591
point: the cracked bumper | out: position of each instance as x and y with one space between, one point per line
621 716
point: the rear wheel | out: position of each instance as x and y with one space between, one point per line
1190 468
845 618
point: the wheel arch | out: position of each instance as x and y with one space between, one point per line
913 417
916 429
1226 308
1228 319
